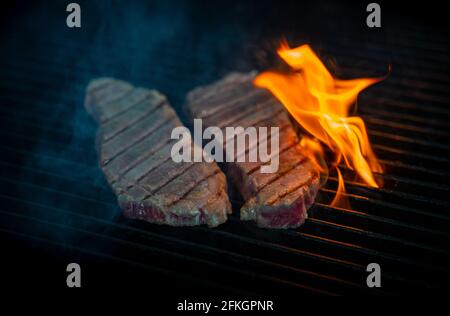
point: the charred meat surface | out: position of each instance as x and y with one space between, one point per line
134 147
273 200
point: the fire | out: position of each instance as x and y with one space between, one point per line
321 105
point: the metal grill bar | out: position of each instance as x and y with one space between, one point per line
79 197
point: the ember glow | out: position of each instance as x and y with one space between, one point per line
321 105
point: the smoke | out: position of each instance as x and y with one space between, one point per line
164 45
60 181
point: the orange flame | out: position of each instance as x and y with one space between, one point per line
321 105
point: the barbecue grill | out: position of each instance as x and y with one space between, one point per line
56 207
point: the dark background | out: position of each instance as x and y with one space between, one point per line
55 207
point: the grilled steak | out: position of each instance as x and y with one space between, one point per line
134 147
276 200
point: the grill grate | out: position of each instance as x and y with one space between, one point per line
53 193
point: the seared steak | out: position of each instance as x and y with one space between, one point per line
134 147
276 200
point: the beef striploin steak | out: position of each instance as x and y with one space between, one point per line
134 147
275 200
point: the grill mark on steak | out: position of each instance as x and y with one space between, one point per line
109 94
139 100
117 151
142 158
125 161
179 172
147 172
116 107
261 109
134 142
137 120
257 123
251 185
236 102
255 146
192 171
220 101
183 171
300 186
290 180
140 175
282 151
279 175
195 186
216 97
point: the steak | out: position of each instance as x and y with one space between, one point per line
273 200
134 147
